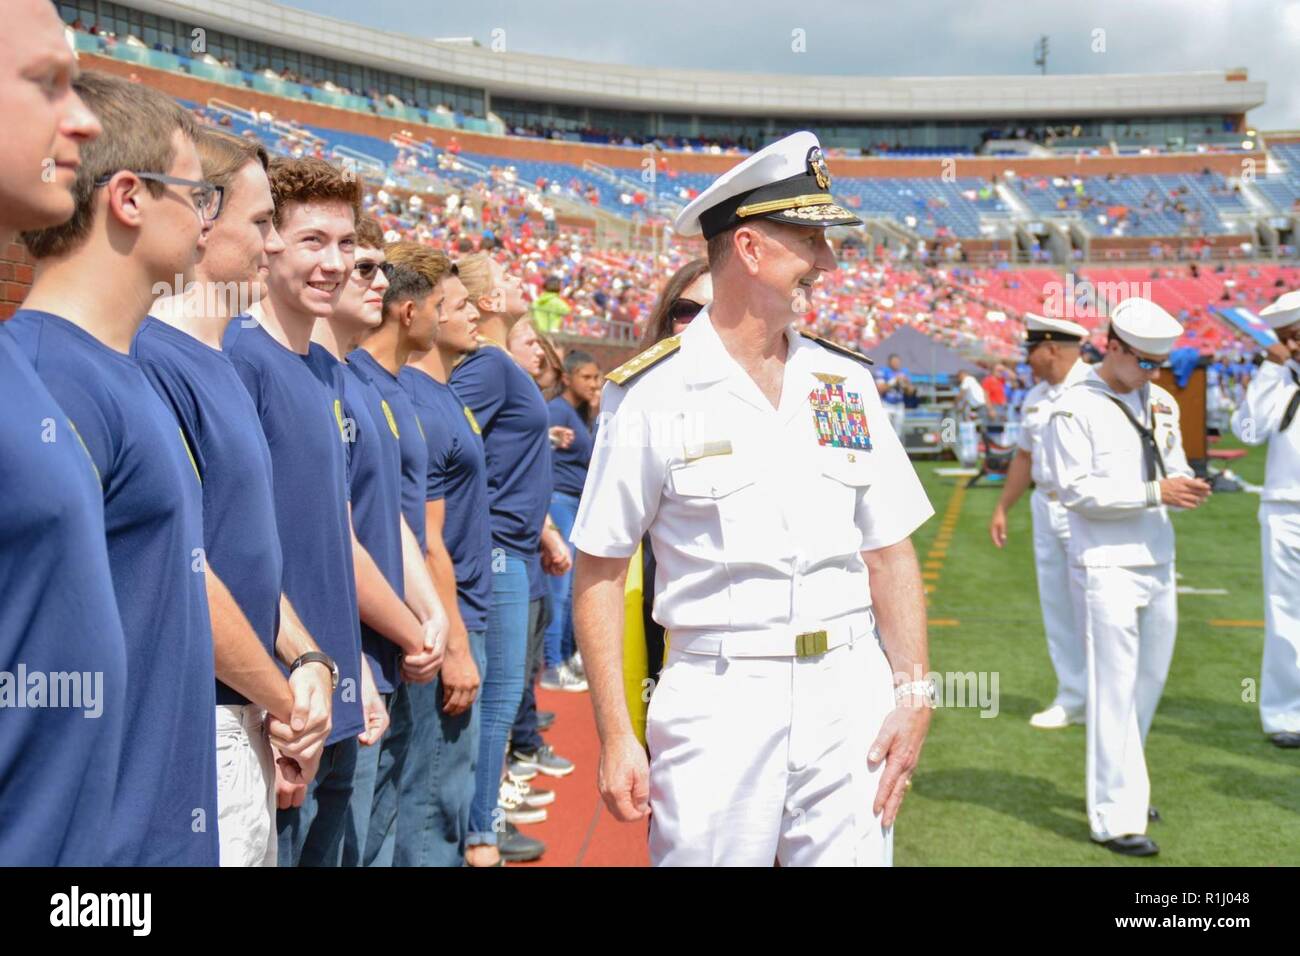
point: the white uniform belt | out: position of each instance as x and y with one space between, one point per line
774 641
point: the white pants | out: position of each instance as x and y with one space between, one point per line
1130 620
760 759
1279 688
1064 638
245 787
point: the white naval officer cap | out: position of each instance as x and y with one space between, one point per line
1283 312
1040 328
1145 326
788 181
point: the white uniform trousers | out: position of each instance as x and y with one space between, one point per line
1064 638
1129 618
245 787
1279 688
760 759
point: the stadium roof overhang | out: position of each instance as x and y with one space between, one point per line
697 91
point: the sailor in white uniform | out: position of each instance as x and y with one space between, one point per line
780 505
1269 414
1115 455
1052 350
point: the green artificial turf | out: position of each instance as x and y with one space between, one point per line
995 791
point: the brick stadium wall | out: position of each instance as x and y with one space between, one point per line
15 278
187 87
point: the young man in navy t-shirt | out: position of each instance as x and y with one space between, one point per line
437 789
94 283
179 348
316 207
58 613
392 623
380 359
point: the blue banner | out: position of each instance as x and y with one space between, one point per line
1244 320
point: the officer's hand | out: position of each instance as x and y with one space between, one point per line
998 527
899 745
1184 493
624 778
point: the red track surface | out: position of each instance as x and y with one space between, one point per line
579 831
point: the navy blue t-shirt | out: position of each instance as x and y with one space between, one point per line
415 453
58 615
165 802
375 479
302 419
569 465
457 475
512 414
220 423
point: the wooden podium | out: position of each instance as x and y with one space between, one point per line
1191 408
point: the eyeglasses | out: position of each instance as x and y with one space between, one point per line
1145 364
683 310
367 268
207 197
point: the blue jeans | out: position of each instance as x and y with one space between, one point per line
370 830
438 778
312 834
559 633
501 691
524 735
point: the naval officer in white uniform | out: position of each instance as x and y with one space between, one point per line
1115 455
1269 414
1052 350
779 502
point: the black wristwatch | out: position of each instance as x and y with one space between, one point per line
318 657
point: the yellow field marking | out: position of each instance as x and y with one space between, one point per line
944 622
1229 622
933 565
929 575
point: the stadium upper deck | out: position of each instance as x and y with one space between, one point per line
290 52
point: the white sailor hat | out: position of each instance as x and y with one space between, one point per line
1039 328
788 181
1283 312
1145 326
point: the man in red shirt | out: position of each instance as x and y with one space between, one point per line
996 393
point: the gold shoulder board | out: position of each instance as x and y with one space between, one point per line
639 363
836 347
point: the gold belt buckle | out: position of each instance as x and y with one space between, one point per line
810 644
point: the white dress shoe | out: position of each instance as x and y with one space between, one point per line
1054 718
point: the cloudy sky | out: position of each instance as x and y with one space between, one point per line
881 37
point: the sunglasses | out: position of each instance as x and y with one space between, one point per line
683 310
367 268
206 197
1145 364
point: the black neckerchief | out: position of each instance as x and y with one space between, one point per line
1289 415
1153 461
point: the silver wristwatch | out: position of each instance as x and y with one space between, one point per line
926 689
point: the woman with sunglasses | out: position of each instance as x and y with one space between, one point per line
687 293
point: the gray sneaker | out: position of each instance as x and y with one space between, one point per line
561 678
514 847
545 759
